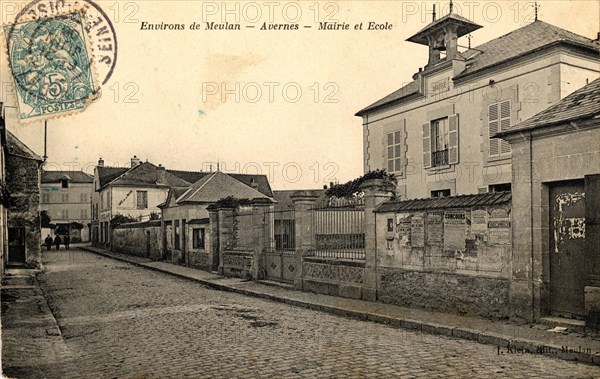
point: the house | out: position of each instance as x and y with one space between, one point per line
134 192
437 132
21 197
66 197
556 193
185 218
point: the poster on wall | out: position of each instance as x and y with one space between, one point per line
499 227
435 229
455 223
417 230
403 226
479 221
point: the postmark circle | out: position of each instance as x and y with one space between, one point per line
99 27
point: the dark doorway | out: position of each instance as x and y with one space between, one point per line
16 245
567 249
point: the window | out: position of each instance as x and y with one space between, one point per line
101 200
84 214
498 120
64 183
142 199
45 198
504 187
393 152
440 142
65 197
65 214
198 238
440 193
83 198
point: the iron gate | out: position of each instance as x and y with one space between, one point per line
280 257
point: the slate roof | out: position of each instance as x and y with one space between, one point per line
15 147
108 174
581 104
463 201
189 176
147 174
74 176
520 42
261 181
211 188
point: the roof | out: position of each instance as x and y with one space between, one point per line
15 147
520 42
173 194
189 176
142 224
108 174
147 174
581 104
525 40
72 176
261 181
465 26
463 201
218 185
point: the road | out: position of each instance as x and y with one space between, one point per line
122 321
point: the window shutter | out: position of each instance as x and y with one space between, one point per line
453 139
427 145
504 125
493 118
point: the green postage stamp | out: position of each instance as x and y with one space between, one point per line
52 66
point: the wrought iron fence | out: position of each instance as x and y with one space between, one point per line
439 158
284 230
339 231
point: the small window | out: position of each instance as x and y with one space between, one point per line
505 187
390 224
440 193
64 183
84 214
176 234
142 199
198 238
439 142
45 198
65 214
65 197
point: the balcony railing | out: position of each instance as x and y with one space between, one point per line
439 158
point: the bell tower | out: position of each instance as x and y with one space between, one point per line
441 36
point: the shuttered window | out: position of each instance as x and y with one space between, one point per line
441 142
498 119
394 161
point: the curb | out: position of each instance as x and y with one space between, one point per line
506 345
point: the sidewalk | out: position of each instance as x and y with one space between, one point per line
32 344
510 338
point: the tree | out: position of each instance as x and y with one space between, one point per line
45 219
352 188
154 216
119 219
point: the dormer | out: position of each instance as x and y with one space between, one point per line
441 36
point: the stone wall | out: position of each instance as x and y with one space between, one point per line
23 185
238 264
141 239
451 260
333 277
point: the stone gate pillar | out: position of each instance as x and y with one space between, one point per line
262 223
225 231
303 202
377 191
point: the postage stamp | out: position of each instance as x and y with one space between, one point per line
52 66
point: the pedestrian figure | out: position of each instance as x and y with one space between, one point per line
67 241
48 242
57 242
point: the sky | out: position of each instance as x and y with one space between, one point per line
275 102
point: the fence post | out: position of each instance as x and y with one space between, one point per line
262 222
376 191
303 202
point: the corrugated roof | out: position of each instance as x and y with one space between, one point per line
532 37
73 176
581 104
219 185
463 201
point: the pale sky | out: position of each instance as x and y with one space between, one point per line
176 79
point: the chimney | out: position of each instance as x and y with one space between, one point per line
100 162
135 161
160 174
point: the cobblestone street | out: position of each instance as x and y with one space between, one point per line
122 321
